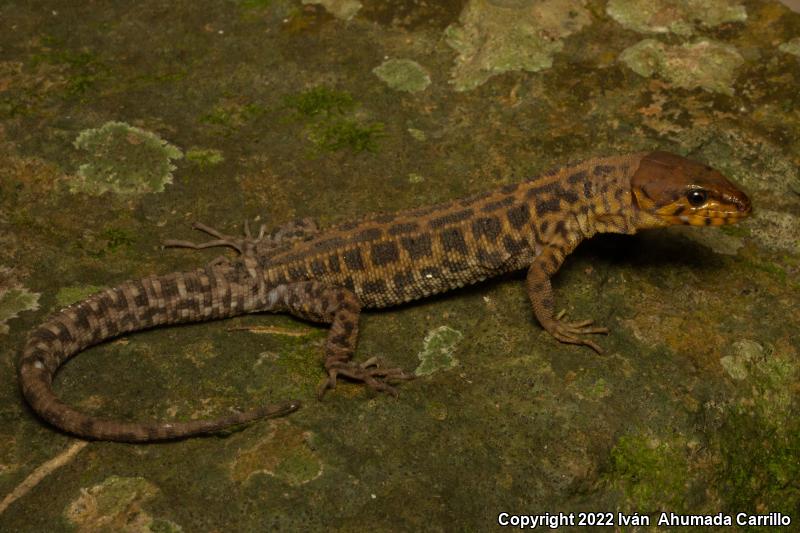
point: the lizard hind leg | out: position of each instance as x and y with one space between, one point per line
249 245
340 308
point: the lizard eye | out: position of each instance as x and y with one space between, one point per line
697 197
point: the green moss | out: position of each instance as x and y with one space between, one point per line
69 295
329 124
652 473
123 159
319 100
233 116
760 442
204 157
84 67
346 133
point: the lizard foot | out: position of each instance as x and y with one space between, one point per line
370 372
570 332
240 244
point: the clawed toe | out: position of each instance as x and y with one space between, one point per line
240 244
570 332
369 372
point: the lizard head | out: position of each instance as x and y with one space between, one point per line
674 190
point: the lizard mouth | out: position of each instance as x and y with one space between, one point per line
715 215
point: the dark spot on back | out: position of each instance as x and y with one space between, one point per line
352 259
318 267
333 263
514 246
548 206
377 286
577 176
455 266
571 197
488 227
297 272
489 260
518 216
543 226
383 253
418 246
603 170
508 189
402 280
453 241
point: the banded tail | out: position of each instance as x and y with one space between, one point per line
203 294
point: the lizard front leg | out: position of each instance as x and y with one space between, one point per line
339 307
540 291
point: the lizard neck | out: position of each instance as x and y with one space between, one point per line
611 206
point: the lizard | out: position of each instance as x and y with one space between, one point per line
329 276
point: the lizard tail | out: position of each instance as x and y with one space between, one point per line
175 298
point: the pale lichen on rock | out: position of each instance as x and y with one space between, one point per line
743 353
284 453
437 351
791 47
123 159
116 505
675 16
705 64
403 75
496 36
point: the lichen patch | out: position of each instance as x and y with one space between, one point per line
704 64
123 159
492 37
676 16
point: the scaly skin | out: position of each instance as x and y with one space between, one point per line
381 261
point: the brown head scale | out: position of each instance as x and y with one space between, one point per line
674 190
